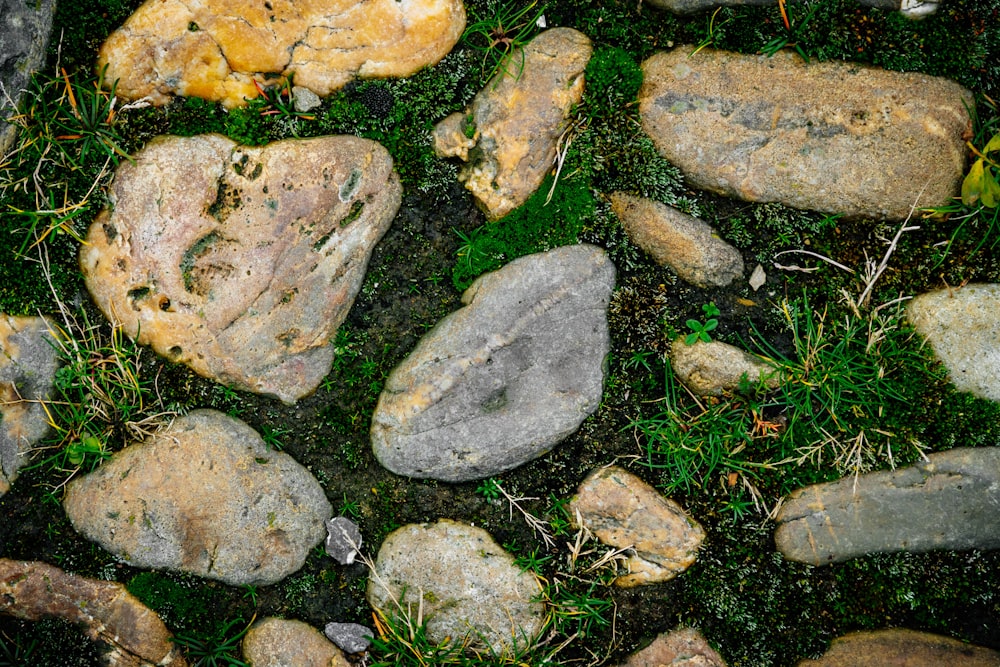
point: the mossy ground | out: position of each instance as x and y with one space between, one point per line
754 606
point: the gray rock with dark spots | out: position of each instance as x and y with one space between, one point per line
28 364
503 379
946 502
205 496
349 637
24 36
899 647
963 327
239 261
827 136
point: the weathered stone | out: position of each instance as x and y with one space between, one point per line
28 364
913 9
135 635
343 539
903 648
678 648
514 123
946 502
349 637
241 262
25 28
204 496
218 49
829 136
686 244
709 369
276 642
962 325
502 380
466 585
623 511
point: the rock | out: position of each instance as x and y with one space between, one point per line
218 49
28 364
686 244
513 125
946 502
709 369
757 278
962 326
679 648
107 612
304 99
504 379
349 637
204 496
25 28
829 136
903 648
624 512
913 9
276 642
343 539
467 587
241 262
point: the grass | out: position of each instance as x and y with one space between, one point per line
215 649
500 30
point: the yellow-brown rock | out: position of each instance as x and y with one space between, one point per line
899 647
273 642
217 49
513 125
623 511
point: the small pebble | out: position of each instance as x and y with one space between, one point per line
349 637
343 539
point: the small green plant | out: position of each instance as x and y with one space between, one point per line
982 183
216 649
349 508
281 101
576 608
272 436
501 36
489 489
792 35
16 652
702 330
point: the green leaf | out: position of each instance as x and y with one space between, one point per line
991 188
692 338
972 186
694 325
710 325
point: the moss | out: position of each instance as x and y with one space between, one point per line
612 80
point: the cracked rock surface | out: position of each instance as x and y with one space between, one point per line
827 136
217 49
510 132
241 262
502 380
946 502
107 612
205 496
624 512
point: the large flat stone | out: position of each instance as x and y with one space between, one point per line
899 647
947 502
827 136
25 28
241 262
218 49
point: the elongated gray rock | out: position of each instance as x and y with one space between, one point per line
467 586
204 496
25 28
828 136
241 262
899 647
947 502
502 380
962 325
28 364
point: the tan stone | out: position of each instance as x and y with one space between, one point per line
623 511
686 244
514 123
241 262
106 610
274 642
829 136
679 648
217 49
709 369
903 648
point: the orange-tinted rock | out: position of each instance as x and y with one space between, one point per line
903 648
678 648
275 642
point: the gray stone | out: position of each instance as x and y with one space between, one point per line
912 9
828 136
277 642
134 634
963 327
946 502
304 99
28 364
241 262
466 587
678 648
686 244
502 380
25 28
349 637
623 511
710 369
343 539
511 130
205 496
899 647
